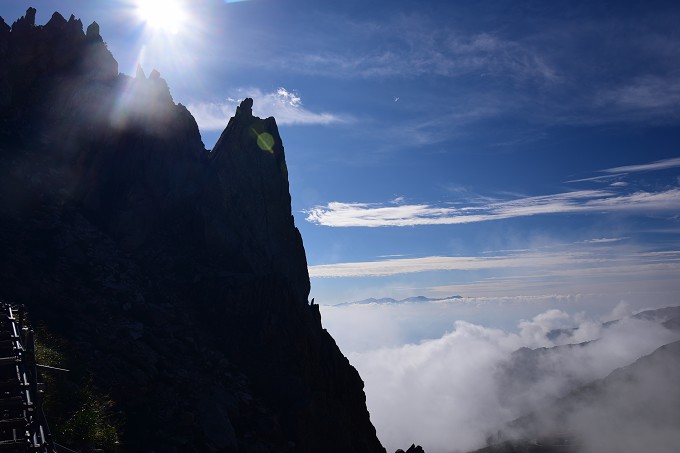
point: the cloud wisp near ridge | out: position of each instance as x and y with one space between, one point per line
285 105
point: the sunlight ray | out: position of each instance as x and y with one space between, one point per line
162 15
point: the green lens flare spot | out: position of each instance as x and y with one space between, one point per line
266 142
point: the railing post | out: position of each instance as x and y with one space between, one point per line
20 309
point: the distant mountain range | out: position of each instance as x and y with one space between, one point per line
408 300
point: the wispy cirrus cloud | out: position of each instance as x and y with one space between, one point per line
603 240
285 105
337 214
439 263
644 94
602 178
425 51
658 165
515 65
579 261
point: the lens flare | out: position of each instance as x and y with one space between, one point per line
266 142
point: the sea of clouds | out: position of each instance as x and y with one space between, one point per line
452 385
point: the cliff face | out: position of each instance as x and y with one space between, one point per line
176 274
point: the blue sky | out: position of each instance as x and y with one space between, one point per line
485 149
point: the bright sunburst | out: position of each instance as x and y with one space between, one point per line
162 15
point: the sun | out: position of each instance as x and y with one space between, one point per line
162 15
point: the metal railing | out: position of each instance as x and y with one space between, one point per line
23 427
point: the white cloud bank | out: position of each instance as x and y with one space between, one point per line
452 393
285 105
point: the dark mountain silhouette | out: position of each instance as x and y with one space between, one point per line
176 275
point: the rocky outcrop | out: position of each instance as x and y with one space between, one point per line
176 274
258 198
412 449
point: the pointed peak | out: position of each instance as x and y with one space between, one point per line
25 22
76 23
140 72
92 33
57 18
30 16
246 107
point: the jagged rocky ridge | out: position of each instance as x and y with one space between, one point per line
176 274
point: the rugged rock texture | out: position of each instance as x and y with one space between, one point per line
177 275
